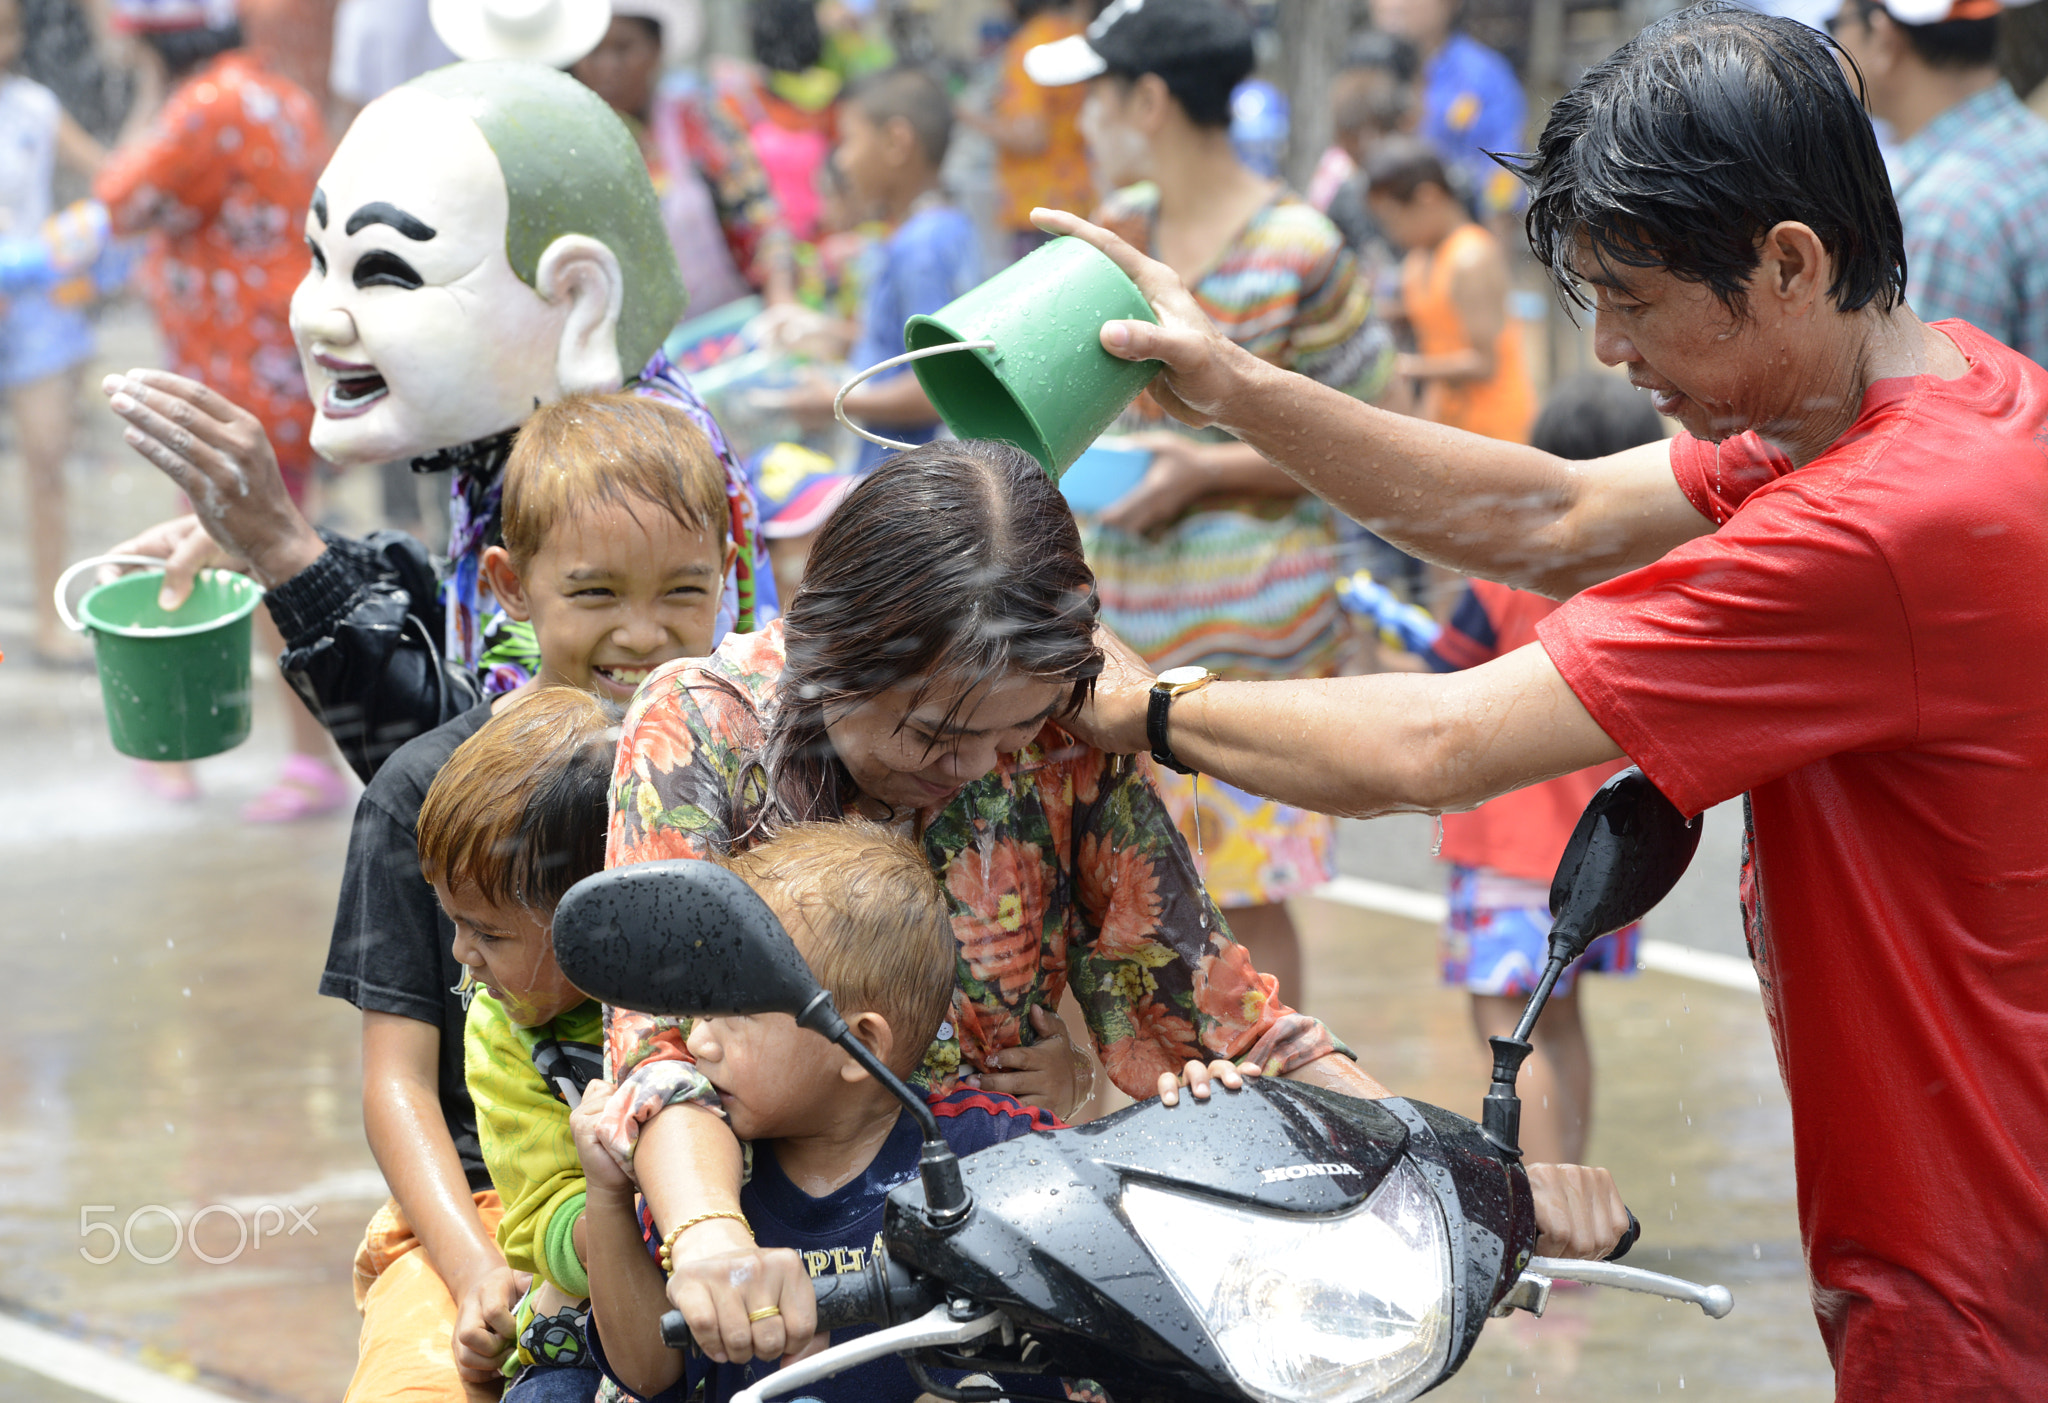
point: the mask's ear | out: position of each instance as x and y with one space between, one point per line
582 274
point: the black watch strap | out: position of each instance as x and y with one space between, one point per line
1156 709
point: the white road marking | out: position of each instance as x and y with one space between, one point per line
82 1367
1664 956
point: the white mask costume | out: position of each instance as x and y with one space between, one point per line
418 328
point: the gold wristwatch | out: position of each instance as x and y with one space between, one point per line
1174 682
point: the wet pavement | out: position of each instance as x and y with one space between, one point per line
177 1101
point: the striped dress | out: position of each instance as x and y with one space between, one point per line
1244 585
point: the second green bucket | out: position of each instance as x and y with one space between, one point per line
1047 386
176 684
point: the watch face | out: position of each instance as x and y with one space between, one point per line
1182 676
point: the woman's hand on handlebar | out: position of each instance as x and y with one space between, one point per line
1579 1212
1196 1077
723 1278
1051 1074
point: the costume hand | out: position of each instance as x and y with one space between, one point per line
484 1328
1203 366
729 1280
1171 484
1196 1077
1113 717
601 1172
1579 1212
219 455
184 547
1051 1074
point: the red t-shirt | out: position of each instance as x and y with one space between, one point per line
1522 833
1863 647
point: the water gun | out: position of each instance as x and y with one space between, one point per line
1408 627
73 257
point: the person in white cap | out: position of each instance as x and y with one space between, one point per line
1971 170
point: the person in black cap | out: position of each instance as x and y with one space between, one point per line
1217 557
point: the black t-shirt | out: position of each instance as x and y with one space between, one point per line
392 950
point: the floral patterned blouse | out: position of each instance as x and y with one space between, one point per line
1062 867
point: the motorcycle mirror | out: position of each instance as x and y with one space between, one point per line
1629 850
680 938
689 939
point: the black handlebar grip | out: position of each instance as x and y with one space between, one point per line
853 1298
1628 1239
675 1332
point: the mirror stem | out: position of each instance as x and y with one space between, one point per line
1501 1114
945 1193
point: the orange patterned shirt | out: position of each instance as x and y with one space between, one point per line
221 182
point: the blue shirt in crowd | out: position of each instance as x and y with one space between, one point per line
1472 104
930 259
1972 187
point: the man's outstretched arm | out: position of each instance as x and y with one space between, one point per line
1502 511
1361 746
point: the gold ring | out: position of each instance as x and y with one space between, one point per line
763 1313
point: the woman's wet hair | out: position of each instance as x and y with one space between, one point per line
951 566
1685 146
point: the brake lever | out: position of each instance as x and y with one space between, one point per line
1716 1301
935 1327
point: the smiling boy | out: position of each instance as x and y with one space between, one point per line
615 543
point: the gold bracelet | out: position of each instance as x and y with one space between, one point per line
668 1243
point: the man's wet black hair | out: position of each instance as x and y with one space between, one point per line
1955 43
1684 147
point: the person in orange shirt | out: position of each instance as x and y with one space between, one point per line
1454 290
1040 156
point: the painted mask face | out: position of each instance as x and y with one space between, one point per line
414 330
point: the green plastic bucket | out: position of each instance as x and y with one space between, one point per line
1029 368
175 683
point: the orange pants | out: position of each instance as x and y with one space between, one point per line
406 1353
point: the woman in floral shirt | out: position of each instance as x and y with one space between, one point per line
945 622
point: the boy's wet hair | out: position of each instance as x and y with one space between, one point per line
919 99
622 450
1681 150
518 812
871 920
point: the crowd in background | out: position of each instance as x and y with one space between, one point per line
837 170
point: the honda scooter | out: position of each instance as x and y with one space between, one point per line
1282 1243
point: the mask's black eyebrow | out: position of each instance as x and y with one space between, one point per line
377 212
320 206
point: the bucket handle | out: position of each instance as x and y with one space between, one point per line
839 400
64 581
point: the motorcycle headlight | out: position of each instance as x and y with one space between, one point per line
1312 1310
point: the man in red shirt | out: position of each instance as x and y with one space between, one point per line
1826 594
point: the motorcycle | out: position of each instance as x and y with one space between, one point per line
1282 1243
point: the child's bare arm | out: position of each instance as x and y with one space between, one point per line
627 1293
409 1137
